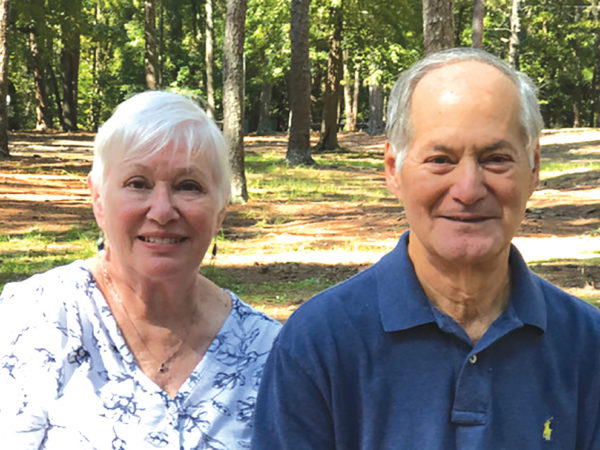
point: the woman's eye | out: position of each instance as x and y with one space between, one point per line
190 186
137 183
440 159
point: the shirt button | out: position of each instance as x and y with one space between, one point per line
473 359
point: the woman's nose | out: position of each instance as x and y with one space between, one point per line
162 208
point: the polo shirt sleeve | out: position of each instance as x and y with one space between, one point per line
292 411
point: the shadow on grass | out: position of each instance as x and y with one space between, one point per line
573 181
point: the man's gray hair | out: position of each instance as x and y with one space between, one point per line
399 129
152 120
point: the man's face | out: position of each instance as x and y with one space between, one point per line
466 178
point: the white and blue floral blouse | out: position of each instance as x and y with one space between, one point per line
68 381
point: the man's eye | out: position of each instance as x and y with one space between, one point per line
498 159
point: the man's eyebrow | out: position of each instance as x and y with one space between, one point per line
502 143
442 148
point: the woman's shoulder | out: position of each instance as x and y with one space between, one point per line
75 275
46 297
252 327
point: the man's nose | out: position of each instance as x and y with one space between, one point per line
468 185
162 208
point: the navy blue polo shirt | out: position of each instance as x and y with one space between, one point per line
371 364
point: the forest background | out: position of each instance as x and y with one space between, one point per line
66 64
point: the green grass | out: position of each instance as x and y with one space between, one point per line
22 255
271 178
269 293
556 168
350 176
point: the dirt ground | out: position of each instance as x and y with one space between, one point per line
43 186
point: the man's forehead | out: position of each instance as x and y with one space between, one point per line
471 73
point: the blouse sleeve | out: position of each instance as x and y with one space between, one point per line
29 372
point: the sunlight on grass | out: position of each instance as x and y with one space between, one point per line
23 255
551 169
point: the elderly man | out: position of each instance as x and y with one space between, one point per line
449 341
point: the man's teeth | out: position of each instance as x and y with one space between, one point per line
155 240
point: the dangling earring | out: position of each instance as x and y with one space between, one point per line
100 242
213 252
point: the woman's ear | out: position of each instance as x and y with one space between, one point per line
96 202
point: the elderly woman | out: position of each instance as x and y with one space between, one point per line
134 348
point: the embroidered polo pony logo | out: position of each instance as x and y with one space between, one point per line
547 434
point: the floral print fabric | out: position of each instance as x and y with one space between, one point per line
67 379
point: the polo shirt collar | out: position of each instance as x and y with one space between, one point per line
403 303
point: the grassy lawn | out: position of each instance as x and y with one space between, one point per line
304 212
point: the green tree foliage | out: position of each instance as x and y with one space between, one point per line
558 47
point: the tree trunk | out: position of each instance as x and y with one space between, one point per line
596 77
331 97
298 150
43 119
233 96
375 125
515 28
355 93
350 95
150 56
4 28
57 97
438 25
478 14
264 109
70 66
209 61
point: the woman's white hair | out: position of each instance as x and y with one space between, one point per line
147 122
398 128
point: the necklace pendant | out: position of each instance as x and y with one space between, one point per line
163 368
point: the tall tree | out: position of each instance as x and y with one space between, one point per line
233 96
438 24
477 31
331 97
150 54
596 75
209 60
515 29
43 120
4 20
298 150
264 120
351 88
69 58
375 125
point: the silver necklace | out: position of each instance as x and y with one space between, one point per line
163 366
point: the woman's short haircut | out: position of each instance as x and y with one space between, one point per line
399 127
150 121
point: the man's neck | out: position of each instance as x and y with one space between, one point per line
473 295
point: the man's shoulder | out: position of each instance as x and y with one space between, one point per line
342 296
567 308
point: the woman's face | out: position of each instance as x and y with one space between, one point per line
159 213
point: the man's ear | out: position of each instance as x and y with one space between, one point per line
535 171
96 202
392 176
